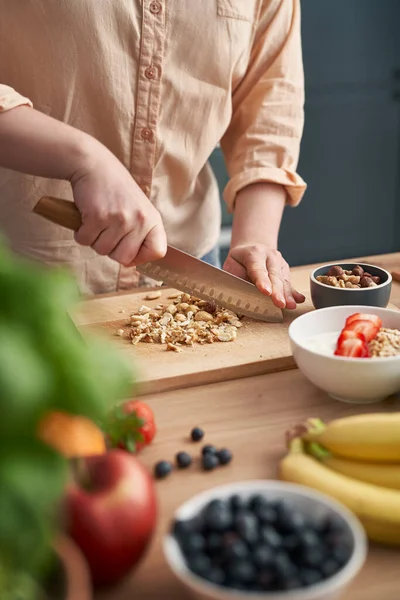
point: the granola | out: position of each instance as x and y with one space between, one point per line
386 343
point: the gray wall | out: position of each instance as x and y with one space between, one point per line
350 149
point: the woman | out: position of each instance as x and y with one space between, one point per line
118 105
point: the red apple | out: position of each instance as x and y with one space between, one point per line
111 513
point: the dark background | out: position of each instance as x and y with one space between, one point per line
350 149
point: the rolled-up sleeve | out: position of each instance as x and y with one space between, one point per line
9 98
262 142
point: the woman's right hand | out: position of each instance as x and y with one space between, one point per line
118 220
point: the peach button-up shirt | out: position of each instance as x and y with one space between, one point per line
160 83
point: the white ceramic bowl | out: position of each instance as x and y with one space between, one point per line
352 380
310 502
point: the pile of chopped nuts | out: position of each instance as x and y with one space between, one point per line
185 321
385 343
357 278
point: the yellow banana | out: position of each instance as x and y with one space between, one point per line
369 437
378 508
384 475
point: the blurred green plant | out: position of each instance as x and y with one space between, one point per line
45 365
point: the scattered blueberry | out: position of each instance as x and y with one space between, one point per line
209 461
197 434
255 544
183 460
162 469
224 456
209 449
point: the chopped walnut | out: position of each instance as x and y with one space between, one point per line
185 322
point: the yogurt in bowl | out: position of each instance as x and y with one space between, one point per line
313 337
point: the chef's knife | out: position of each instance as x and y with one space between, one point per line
182 271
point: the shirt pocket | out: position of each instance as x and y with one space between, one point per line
242 10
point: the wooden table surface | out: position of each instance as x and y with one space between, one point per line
249 416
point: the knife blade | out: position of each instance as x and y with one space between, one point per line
182 271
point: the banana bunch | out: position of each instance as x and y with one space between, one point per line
356 460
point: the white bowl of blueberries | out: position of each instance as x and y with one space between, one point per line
267 540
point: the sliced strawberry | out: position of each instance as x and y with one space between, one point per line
364 317
352 348
367 328
350 334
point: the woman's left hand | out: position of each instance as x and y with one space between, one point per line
267 269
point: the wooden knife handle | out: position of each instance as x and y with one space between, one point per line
58 211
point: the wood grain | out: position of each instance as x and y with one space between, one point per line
259 348
250 417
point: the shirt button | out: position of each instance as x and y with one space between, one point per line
151 72
155 7
147 134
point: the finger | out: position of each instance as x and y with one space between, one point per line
127 249
287 287
255 265
110 238
275 272
234 268
295 295
91 228
153 247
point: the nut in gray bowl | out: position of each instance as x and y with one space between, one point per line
324 295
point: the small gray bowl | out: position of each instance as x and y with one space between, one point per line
324 295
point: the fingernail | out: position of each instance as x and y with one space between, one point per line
282 300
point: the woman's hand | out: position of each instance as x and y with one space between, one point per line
118 220
267 269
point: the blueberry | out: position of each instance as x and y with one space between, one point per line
237 503
266 514
193 544
182 529
208 449
224 456
183 460
309 538
217 517
162 469
271 538
294 583
291 542
292 522
341 554
200 564
329 567
310 576
236 550
247 526
197 434
209 461
257 501
242 571
284 567
216 576
267 580
214 543
263 557
312 557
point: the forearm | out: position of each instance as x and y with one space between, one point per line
257 215
34 143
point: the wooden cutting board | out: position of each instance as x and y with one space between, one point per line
259 348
